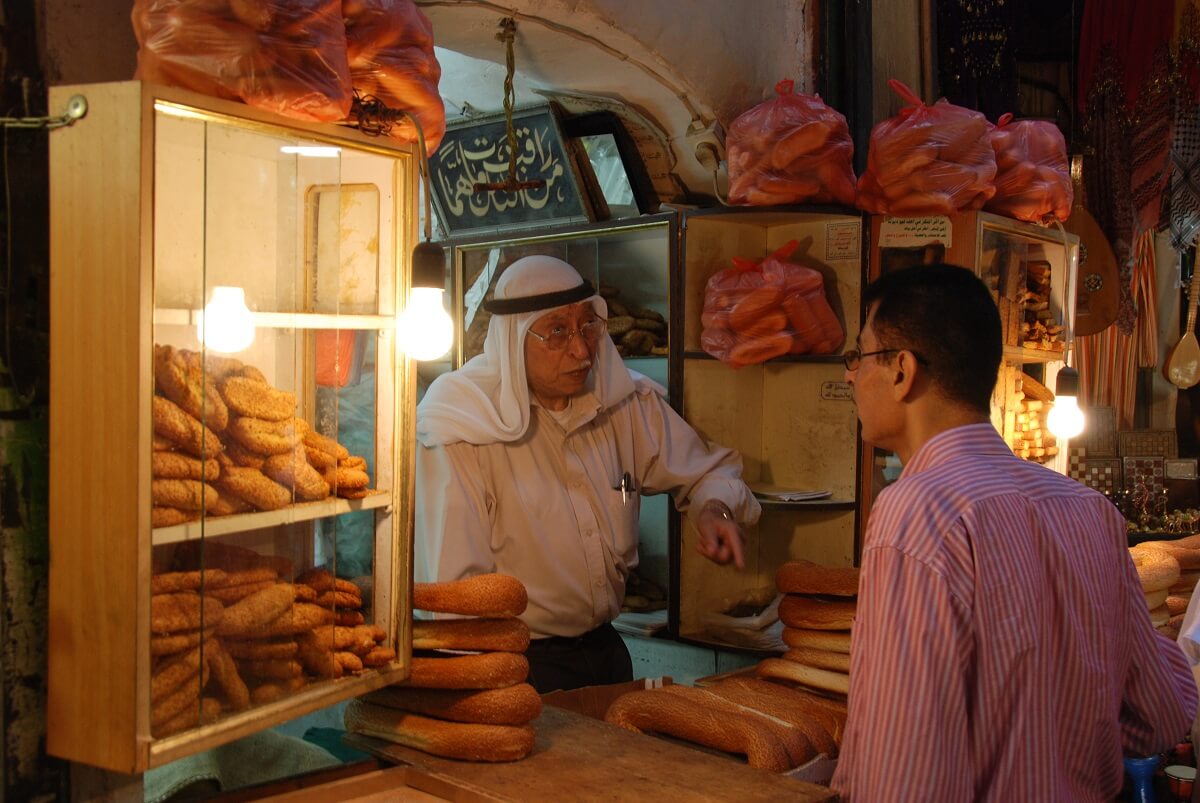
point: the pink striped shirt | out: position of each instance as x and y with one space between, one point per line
1002 648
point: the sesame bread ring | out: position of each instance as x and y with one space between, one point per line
172 423
831 640
1188 557
1156 569
176 582
182 494
1160 616
489 595
821 679
254 487
180 466
503 635
485 670
320 460
379 656
292 470
326 444
346 479
267 437
1156 598
653 711
248 397
354 461
217 366
239 455
806 577
247 615
811 613
191 389
511 705
793 705
1177 604
467 741
821 659
164 516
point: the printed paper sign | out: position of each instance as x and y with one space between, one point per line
913 232
841 240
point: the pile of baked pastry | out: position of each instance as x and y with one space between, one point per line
223 639
226 441
1168 572
466 697
795 709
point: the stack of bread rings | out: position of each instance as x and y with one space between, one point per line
817 611
466 697
1168 571
226 441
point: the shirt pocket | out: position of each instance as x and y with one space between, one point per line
622 533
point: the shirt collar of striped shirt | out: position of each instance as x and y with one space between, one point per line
970 439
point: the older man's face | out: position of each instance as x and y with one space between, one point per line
557 371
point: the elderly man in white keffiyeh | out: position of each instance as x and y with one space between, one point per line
530 462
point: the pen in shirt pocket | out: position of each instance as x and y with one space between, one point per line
625 486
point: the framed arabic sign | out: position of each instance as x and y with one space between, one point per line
476 151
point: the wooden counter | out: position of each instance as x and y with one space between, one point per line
578 758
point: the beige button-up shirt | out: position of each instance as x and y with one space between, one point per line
548 508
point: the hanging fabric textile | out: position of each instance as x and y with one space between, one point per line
1185 147
1145 298
1150 143
1108 372
1107 174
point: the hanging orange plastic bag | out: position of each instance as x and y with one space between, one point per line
284 56
756 311
390 47
928 160
790 149
1033 177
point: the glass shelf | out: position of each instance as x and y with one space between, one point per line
244 522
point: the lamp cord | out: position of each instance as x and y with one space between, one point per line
508 35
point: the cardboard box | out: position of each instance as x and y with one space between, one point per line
593 701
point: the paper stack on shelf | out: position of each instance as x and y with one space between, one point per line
640 624
775 493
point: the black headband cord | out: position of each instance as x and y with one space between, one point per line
513 306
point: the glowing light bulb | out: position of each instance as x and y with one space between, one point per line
226 323
424 331
1065 419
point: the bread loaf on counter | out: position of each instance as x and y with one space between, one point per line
464 741
512 705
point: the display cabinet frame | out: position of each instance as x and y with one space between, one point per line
103 321
791 417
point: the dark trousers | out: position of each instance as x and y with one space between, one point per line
596 658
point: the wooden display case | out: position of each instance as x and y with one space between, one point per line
632 264
158 198
791 418
1031 271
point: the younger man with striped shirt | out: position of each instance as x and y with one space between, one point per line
1002 648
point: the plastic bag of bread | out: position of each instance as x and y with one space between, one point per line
790 149
390 47
928 160
1033 178
284 57
756 311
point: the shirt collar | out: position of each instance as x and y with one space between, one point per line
971 439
